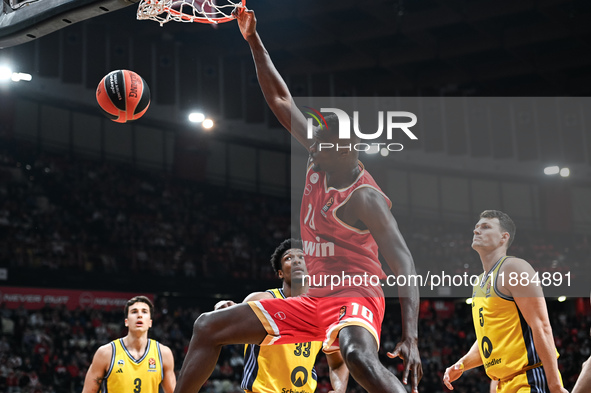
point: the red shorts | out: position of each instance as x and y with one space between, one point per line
302 319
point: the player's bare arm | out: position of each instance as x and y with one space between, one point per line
583 384
98 369
368 209
338 372
532 305
272 84
470 360
169 381
584 381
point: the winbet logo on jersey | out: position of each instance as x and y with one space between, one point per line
389 117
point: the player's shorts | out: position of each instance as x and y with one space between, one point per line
302 319
530 381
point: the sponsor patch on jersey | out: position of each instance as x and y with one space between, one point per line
314 178
280 315
308 189
328 204
299 376
342 312
151 364
120 362
119 371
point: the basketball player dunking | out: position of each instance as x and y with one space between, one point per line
351 230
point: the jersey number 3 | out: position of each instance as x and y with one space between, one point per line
138 385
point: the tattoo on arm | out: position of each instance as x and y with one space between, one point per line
99 380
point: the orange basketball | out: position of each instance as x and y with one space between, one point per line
123 96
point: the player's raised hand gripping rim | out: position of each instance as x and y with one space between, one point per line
408 351
247 22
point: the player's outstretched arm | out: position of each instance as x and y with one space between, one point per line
370 207
98 369
272 84
169 381
470 360
338 372
532 305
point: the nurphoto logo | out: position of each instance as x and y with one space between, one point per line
393 120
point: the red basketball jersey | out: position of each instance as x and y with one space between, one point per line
332 247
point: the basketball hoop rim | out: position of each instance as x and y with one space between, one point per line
201 19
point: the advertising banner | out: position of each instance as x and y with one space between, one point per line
36 298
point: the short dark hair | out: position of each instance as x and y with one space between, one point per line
281 249
139 299
506 222
332 121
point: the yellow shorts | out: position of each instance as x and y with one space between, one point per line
530 381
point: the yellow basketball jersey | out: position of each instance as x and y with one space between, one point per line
285 368
504 338
127 374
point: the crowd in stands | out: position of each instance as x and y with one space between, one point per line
59 213
62 213
49 350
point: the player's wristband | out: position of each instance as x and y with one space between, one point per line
461 367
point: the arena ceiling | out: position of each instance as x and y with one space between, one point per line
418 47
393 47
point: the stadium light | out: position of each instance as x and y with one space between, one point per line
21 76
551 170
207 123
196 117
373 149
5 73
565 172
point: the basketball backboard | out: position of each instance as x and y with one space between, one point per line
25 20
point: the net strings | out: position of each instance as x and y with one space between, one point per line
162 11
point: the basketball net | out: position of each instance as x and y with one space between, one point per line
201 11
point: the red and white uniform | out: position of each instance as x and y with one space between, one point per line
331 246
332 249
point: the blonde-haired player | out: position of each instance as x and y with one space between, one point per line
133 363
514 338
